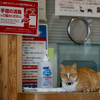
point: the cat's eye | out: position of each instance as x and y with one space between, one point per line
71 74
65 74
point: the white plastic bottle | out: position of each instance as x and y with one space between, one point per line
45 73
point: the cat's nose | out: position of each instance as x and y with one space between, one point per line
68 78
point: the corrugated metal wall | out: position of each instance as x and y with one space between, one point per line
57 26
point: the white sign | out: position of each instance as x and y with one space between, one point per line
42 10
33 48
11 20
84 8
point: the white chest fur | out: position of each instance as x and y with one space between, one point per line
69 88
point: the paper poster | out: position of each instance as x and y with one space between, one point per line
42 10
84 8
18 17
32 54
51 53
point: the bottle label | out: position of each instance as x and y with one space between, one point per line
47 77
46 71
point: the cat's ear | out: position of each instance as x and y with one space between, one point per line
61 66
74 66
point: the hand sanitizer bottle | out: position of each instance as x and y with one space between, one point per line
45 73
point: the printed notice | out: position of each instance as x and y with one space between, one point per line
18 17
33 48
84 8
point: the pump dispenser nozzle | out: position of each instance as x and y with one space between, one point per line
45 58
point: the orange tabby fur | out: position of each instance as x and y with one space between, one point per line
86 78
98 73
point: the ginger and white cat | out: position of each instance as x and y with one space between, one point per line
82 79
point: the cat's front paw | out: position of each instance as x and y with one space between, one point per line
88 90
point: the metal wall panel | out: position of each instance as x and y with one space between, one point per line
57 26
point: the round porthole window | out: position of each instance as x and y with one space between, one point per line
78 30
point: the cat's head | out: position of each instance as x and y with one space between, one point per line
68 73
